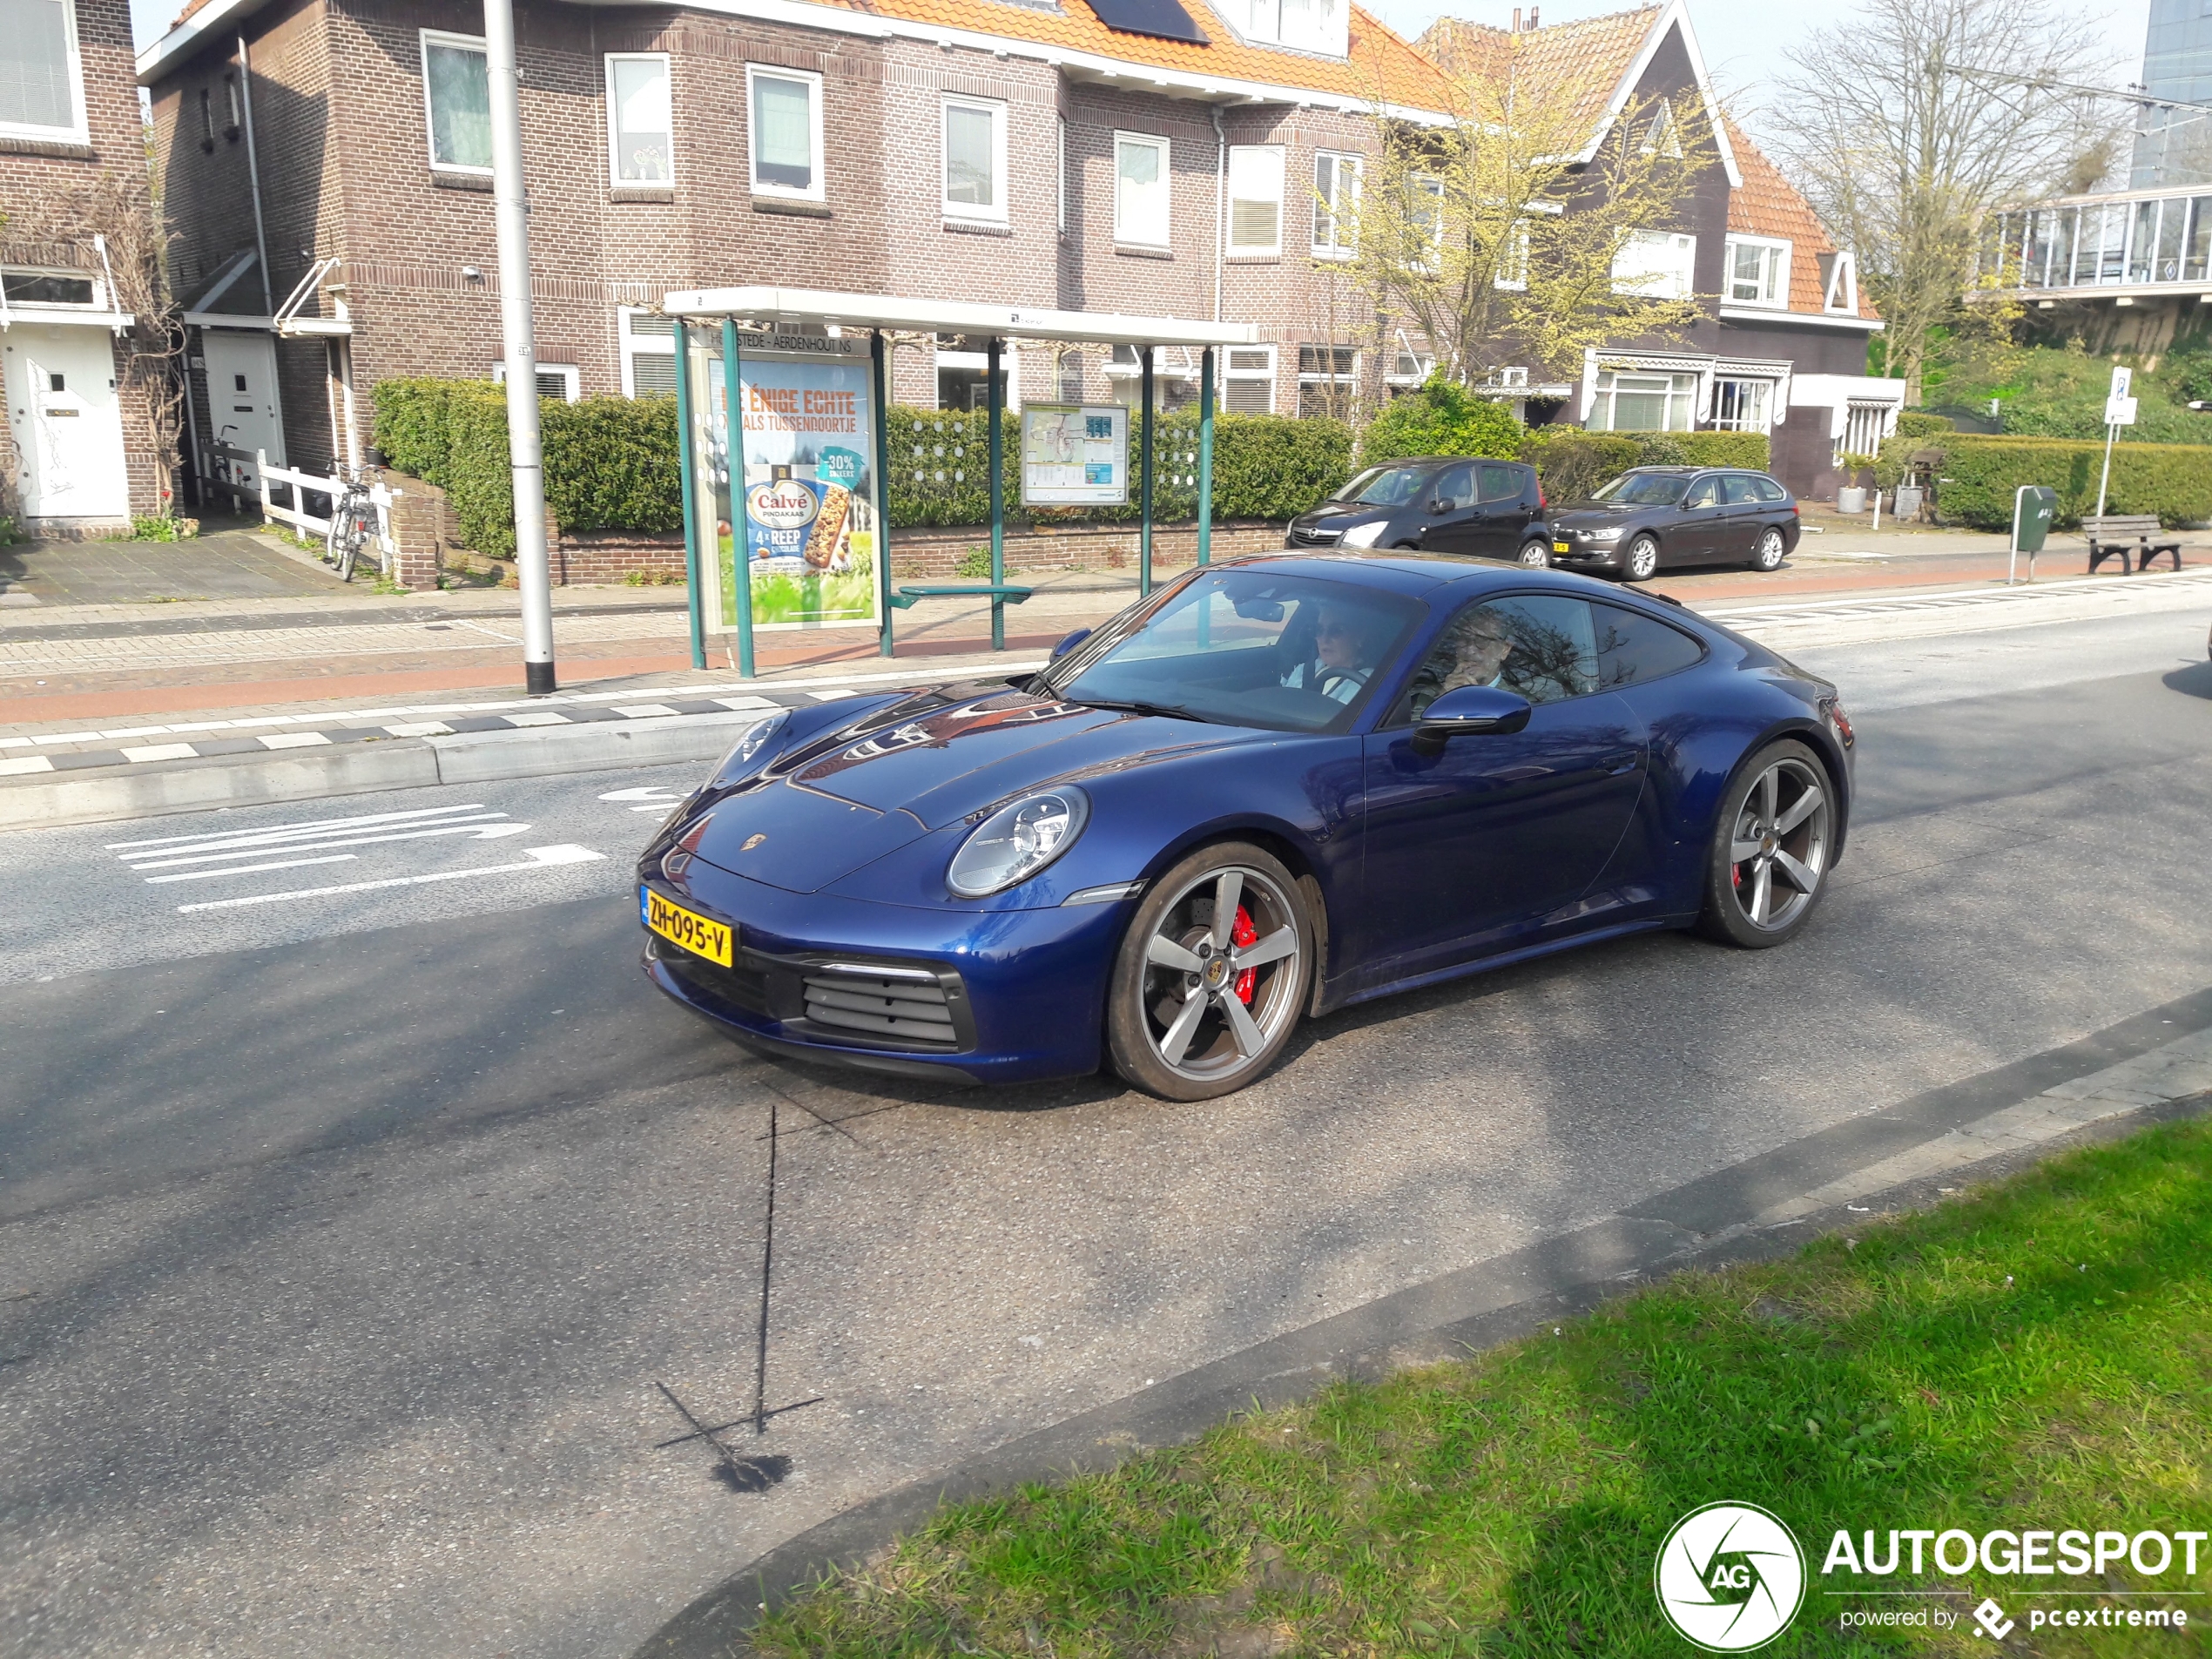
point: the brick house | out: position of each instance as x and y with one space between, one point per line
327 163
1782 347
78 452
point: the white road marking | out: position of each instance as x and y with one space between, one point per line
482 831
249 869
642 711
160 751
539 717
652 798
420 729
536 858
26 763
292 739
216 836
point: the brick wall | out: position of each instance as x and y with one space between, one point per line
58 171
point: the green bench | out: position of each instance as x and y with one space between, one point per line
998 593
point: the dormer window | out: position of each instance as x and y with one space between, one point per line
1758 272
1840 283
1308 25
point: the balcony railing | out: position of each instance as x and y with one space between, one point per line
2138 240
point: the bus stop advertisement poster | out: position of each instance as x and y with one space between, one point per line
803 531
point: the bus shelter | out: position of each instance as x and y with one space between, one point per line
787 510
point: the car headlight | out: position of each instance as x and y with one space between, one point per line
1611 533
1366 534
749 746
1016 841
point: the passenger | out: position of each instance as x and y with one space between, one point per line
1342 661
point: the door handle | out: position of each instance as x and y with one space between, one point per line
1625 760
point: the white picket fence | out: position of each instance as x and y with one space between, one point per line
298 486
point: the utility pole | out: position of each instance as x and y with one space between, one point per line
525 447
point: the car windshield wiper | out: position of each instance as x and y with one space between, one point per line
1166 711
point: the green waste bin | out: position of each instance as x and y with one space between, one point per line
2033 508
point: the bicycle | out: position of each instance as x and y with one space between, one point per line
353 522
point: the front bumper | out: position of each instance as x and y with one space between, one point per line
1573 548
1023 992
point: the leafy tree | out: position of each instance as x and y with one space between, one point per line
1442 418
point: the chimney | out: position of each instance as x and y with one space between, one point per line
1516 20
1532 19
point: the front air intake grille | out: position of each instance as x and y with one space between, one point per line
913 1011
1305 535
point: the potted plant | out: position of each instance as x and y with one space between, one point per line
1852 498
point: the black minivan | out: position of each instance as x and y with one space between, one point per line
1441 504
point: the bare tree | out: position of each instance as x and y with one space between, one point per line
1514 235
133 247
1903 147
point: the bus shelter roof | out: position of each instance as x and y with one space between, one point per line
950 317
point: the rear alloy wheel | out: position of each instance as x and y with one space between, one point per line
1772 848
1769 555
1537 556
1640 562
1212 975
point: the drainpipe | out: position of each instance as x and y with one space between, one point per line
1220 190
253 177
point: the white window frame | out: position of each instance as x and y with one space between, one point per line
1331 376
99 301
569 374
631 346
77 131
1513 260
1167 189
614 130
1680 394
818 191
1433 186
1762 420
1776 266
1423 363
1247 376
996 213
1843 286
426 39
1656 279
1256 249
1337 247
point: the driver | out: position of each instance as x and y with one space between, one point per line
1482 645
1342 661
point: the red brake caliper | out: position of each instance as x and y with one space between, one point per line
1242 935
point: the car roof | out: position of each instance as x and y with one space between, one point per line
1441 461
1399 570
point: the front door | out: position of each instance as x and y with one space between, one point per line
67 423
243 407
1505 511
1452 525
1695 536
1486 842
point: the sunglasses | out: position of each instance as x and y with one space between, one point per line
1334 630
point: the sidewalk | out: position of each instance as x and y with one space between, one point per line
266 632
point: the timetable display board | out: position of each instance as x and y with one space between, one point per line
1074 454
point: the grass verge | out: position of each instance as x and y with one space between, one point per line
2036 1355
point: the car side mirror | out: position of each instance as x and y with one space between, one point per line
1472 710
1069 643
1440 506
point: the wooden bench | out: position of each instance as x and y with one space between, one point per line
1000 593
2119 534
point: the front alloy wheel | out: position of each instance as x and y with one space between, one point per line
1769 556
1640 562
1771 849
1536 556
1212 975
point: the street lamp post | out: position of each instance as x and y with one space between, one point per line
525 447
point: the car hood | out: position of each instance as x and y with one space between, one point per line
841 802
1593 516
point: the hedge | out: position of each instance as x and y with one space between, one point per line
611 462
1978 476
1441 418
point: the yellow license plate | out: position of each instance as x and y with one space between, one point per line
1561 547
712 939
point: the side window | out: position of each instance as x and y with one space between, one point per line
1740 489
1500 483
1767 489
1633 648
1455 489
1541 645
1704 492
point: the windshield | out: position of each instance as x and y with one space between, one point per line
1643 489
1248 648
1383 486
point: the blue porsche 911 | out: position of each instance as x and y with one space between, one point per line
1274 787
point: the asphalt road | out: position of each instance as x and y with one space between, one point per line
344 1237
